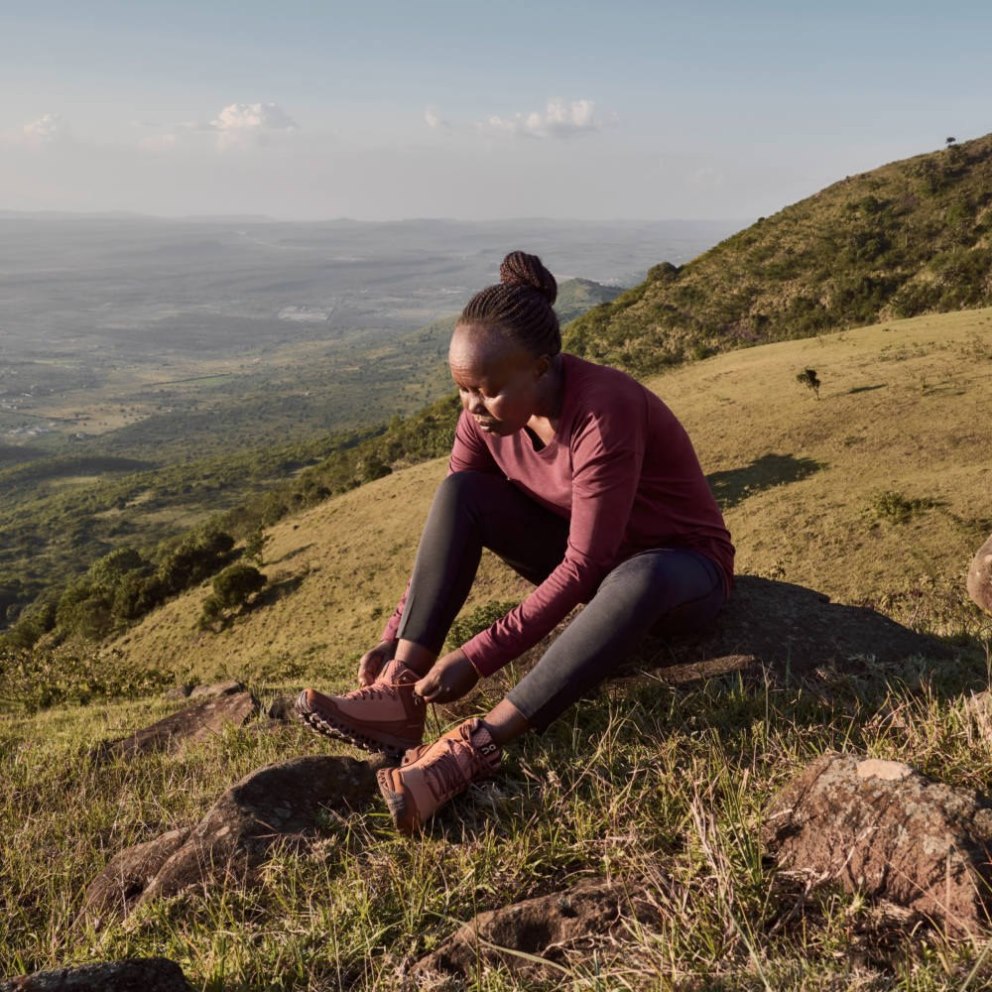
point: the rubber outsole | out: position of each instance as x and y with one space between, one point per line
404 819
329 728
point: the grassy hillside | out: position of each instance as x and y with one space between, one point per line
909 238
876 492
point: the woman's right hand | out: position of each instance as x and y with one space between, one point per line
373 662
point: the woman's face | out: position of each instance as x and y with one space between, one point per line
497 379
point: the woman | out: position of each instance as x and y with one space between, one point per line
586 484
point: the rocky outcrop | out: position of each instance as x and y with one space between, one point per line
790 630
980 577
190 690
195 723
136 975
884 829
559 928
283 805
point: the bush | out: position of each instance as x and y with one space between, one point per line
233 588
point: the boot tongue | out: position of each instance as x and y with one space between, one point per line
482 740
398 674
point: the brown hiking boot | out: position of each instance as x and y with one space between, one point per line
386 716
437 772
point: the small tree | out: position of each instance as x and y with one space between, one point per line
255 545
232 590
810 380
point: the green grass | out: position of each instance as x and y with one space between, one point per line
908 238
647 782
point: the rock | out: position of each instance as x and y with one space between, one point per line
285 804
282 708
884 829
980 577
228 688
179 691
790 629
558 927
134 975
194 723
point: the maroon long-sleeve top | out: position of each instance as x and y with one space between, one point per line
621 469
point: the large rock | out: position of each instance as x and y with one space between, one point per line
560 928
208 717
135 975
884 829
283 805
789 629
980 577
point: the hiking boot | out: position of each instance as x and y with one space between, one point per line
437 772
387 716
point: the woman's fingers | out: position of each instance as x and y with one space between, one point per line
369 667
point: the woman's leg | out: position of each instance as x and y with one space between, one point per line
668 589
471 511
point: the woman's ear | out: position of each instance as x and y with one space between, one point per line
542 366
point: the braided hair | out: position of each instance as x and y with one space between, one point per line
519 305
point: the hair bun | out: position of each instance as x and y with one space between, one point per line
521 269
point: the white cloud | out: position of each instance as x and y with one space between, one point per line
433 119
239 123
46 130
560 119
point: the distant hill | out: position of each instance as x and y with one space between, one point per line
908 238
575 297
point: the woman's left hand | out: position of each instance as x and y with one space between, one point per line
449 679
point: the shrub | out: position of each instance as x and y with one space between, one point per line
898 509
233 588
810 380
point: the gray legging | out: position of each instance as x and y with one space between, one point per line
664 590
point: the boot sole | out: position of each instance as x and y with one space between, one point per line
404 816
394 747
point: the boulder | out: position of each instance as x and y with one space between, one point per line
886 830
229 688
560 928
788 629
210 716
288 804
134 975
980 577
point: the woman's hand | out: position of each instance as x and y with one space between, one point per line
450 678
373 662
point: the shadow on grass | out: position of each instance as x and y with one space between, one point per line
273 593
735 485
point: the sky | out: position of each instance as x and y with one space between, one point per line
395 109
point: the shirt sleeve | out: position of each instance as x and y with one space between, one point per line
469 453
607 454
